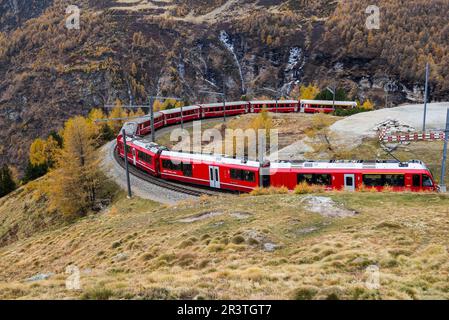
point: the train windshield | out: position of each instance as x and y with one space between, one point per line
427 181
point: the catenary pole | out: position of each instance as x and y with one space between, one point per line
128 181
426 93
443 164
153 137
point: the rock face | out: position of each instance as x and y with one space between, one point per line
15 12
127 49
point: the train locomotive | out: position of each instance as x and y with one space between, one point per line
243 175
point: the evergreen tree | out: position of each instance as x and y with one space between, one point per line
340 95
7 184
34 171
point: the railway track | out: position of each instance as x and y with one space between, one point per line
184 189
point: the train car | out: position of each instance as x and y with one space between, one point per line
144 124
173 116
326 106
212 110
141 153
210 170
280 106
354 175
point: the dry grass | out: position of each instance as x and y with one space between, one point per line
140 250
305 188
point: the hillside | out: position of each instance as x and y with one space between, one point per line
49 73
275 246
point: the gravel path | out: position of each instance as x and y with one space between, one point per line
141 188
352 130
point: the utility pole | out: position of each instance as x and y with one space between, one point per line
182 119
224 102
153 137
152 100
128 181
426 93
443 164
277 95
333 91
221 94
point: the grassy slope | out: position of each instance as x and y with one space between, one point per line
24 213
138 249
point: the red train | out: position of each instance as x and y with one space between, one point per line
244 176
204 111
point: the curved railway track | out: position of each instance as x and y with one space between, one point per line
180 188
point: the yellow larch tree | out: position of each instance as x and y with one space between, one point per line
308 92
74 184
117 113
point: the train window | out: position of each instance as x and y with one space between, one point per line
248 176
426 181
319 179
394 180
145 157
243 175
308 178
373 180
168 164
323 179
416 180
187 169
380 180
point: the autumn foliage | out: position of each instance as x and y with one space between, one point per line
76 180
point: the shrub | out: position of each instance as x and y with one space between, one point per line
269 191
305 293
305 188
238 239
99 293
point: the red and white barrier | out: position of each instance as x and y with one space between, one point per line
428 136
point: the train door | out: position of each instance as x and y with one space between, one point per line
302 109
349 182
416 182
214 177
134 156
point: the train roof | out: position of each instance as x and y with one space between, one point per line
349 164
146 118
272 101
214 158
330 102
145 144
176 110
220 104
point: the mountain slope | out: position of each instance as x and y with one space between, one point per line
49 73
